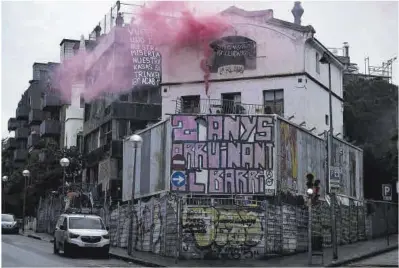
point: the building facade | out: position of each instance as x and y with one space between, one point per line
264 65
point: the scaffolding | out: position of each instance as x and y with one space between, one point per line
383 71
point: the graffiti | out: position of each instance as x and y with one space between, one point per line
288 159
222 233
228 154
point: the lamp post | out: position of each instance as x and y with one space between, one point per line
136 140
26 174
64 162
310 193
326 59
4 179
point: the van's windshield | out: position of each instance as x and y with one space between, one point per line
86 223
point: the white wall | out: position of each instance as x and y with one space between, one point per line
73 116
322 77
306 102
279 51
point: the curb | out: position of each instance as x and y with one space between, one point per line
137 261
364 256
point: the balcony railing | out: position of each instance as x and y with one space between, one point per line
35 117
51 101
33 140
50 128
10 144
22 112
13 124
21 133
20 155
218 106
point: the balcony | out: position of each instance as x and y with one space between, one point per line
20 155
10 144
125 110
33 140
35 117
51 102
22 112
136 110
22 133
50 128
13 124
218 106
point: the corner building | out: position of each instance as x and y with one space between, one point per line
226 168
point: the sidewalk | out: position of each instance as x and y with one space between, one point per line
346 254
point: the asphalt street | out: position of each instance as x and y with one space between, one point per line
389 259
22 251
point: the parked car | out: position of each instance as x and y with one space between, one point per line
79 232
9 224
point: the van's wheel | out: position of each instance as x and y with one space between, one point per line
55 249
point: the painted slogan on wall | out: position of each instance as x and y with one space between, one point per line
147 62
225 154
233 55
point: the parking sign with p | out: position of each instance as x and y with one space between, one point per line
387 192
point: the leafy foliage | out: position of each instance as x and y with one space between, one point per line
46 175
370 119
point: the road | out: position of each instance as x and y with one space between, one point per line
22 251
389 259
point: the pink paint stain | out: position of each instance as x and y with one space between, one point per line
172 35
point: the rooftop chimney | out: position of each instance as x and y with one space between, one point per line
297 11
97 30
346 49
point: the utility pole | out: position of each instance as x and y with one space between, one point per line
326 59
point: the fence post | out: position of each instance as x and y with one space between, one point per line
117 226
179 220
386 221
265 225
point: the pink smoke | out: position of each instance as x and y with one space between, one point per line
114 72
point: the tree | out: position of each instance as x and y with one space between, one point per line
370 120
46 175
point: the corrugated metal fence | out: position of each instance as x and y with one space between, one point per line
233 228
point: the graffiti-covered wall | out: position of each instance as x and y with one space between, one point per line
347 169
223 154
299 153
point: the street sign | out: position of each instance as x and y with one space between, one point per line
387 192
178 179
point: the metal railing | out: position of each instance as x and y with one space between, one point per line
217 106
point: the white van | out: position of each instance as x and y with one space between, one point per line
75 232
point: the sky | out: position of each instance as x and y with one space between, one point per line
31 31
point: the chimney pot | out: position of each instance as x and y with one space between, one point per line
297 11
346 49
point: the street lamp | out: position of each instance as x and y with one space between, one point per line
326 59
5 179
64 162
136 140
26 174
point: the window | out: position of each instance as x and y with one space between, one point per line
86 223
273 101
231 103
82 101
317 63
124 97
79 141
190 104
43 75
7 218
